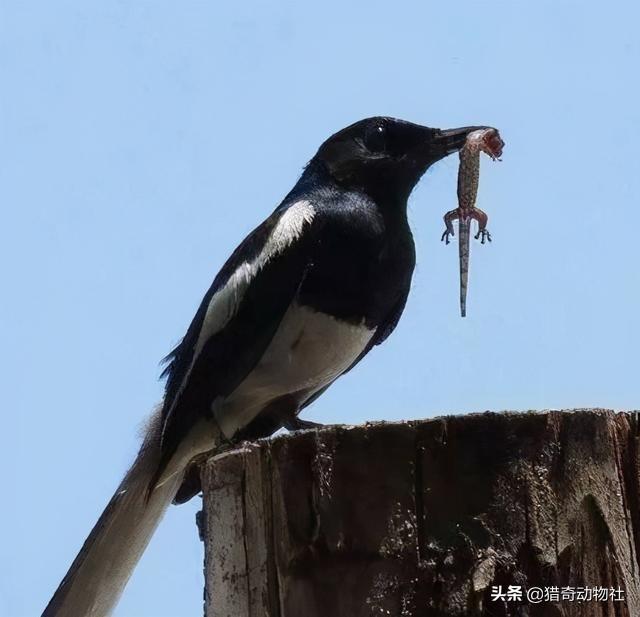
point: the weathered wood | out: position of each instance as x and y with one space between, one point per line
423 518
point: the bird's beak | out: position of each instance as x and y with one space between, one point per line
451 140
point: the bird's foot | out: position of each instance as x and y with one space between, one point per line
296 424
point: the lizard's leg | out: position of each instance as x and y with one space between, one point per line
482 218
449 217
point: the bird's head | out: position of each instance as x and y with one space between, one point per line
385 157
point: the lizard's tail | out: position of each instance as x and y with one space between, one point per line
464 230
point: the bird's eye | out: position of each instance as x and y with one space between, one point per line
375 139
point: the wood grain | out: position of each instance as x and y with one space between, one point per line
422 518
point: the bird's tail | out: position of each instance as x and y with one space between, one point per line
105 562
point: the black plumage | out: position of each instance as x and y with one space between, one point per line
354 261
302 300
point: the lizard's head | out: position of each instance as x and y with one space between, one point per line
385 157
486 140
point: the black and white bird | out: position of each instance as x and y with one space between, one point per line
302 300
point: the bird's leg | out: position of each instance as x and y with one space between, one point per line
294 423
449 217
483 233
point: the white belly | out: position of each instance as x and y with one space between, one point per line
308 351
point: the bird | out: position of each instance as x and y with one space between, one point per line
302 299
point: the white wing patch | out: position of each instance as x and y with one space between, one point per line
224 303
288 229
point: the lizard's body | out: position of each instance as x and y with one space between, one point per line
484 140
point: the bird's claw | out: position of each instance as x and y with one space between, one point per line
297 424
482 235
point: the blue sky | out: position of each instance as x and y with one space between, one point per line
139 142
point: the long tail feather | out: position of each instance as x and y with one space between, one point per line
97 577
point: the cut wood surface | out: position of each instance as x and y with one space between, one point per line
423 518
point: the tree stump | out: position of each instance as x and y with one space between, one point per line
428 518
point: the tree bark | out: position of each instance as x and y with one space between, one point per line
424 518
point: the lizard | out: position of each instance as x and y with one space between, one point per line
487 141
